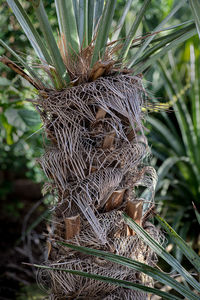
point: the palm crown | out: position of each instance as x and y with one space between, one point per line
84 43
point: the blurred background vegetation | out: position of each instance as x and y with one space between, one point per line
174 136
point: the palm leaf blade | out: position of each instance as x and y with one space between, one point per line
159 27
130 263
185 249
122 19
99 4
22 62
50 40
67 24
140 67
128 41
164 41
90 20
83 19
122 283
30 31
162 252
103 30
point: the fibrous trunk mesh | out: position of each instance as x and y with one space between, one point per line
96 152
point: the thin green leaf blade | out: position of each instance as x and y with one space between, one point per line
171 125
120 23
99 4
164 41
159 250
133 264
76 12
195 90
23 63
183 117
90 20
186 250
30 31
67 24
140 67
103 30
136 23
83 28
165 167
50 40
118 282
158 28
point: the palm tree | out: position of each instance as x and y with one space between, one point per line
92 108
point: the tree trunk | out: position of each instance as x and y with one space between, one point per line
94 163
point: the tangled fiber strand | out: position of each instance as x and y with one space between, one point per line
94 162
77 286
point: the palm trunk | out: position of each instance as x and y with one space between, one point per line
94 163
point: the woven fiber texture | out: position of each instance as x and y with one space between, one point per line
95 165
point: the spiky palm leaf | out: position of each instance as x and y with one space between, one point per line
93 118
153 272
83 32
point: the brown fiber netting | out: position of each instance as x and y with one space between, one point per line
95 165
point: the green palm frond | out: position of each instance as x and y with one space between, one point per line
160 251
153 272
88 23
118 282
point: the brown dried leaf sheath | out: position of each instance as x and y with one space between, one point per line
93 165
72 227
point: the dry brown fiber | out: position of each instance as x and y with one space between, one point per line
95 162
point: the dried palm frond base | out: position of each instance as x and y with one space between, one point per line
94 163
63 284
